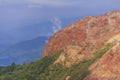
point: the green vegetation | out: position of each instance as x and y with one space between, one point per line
34 71
45 69
80 70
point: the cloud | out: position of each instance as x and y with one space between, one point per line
37 2
34 6
2 2
50 3
63 3
58 3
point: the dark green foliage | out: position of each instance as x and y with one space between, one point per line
33 71
45 69
8 69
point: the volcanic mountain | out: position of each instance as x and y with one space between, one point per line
88 49
85 40
92 30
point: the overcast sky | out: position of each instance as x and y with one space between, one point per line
19 12
15 14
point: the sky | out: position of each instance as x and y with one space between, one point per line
26 19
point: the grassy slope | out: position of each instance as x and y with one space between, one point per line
45 70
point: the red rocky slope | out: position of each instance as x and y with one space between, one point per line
108 67
89 33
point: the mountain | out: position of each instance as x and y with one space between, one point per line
3 47
86 37
12 35
21 34
88 49
23 52
91 30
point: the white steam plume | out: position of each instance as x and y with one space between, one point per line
56 25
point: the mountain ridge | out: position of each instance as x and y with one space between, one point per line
83 39
79 31
23 52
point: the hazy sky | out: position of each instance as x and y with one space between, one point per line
19 12
16 14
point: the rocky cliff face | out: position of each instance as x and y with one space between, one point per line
82 39
92 31
108 67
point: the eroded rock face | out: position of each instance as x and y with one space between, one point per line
108 67
80 40
89 33
72 54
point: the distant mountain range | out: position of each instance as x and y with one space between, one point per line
23 52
